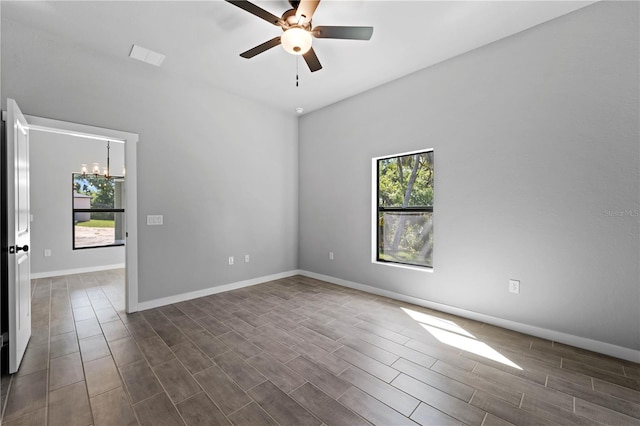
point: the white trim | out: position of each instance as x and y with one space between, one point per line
374 212
556 336
142 306
59 273
131 185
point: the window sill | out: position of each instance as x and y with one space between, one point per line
403 266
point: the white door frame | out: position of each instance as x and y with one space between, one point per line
130 188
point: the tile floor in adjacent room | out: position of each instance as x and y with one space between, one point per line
296 351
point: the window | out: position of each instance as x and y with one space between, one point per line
404 212
98 216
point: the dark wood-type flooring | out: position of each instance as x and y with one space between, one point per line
297 351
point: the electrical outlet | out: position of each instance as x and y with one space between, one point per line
514 286
330 255
47 252
230 260
246 258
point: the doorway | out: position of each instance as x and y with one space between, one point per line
101 137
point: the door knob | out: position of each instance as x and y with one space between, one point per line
25 248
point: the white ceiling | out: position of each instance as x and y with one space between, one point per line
203 39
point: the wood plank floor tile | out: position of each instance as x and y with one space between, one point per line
436 380
209 345
191 310
393 397
427 415
383 332
187 325
251 415
370 350
192 357
506 393
112 408
319 377
94 347
114 330
553 412
323 329
241 327
316 338
603 414
240 371
155 350
506 411
171 311
176 380
371 409
324 359
607 401
36 358
329 347
275 349
65 370
63 344
171 335
239 344
279 321
34 418
125 351
403 351
70 406
280 406
615 378
213 326
281 375
28 393
106 314
614 390
281 335
101 375
141 330
158 410
363 362
140 381
222 390
325 407
199 410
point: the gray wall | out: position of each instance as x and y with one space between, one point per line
225 186
536 140
52 160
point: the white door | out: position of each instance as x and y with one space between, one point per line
18 227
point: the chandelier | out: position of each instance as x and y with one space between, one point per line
106 171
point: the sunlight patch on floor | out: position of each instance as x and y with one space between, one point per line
443 324
452 334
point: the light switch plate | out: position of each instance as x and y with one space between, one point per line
154 219
514 286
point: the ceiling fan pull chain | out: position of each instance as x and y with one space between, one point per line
297 62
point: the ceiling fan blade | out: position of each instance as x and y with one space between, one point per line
261 48
305 10
349 33
312 60
257 11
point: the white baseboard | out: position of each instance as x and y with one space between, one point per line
155 303
556 336
49 274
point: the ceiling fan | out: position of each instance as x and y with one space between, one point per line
298 32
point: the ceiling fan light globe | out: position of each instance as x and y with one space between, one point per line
296 41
